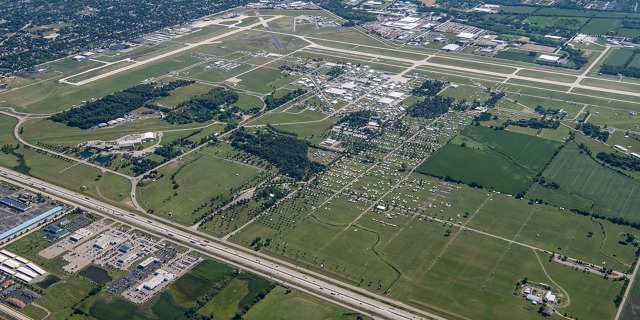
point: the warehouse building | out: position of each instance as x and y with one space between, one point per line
15 204
146 263
160 277
29 223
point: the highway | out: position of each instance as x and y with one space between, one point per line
283 273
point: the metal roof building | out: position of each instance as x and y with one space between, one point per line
29 223
15 204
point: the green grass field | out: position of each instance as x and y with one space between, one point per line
614 194
280 305
199 181
601 26
225 304
635 62
6 136
490 169
531 152
618 58
503 160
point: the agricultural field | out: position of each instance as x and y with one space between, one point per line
601 26
614 195
504 161
618 58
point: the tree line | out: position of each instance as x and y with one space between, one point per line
272 102
115 105
204 107
618 161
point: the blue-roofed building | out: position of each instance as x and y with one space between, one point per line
15 204
29 223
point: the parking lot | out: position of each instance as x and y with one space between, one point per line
65 244
175 268
136 273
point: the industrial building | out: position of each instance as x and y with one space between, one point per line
146 263
105 241
15 204
80 234
128 257
19 267
160 277
29 223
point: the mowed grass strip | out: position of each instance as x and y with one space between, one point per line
615 195
485 167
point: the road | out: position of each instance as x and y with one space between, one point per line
13 313
283 273
632 280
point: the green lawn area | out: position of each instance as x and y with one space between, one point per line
199 181
601 26
59 298
225 304
490 169
477 65
618 58
78 177
186 290
280 305
572 23
183 93
247 102
503 160
6 136
614 194
528 151
515 56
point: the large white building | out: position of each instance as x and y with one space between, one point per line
160 277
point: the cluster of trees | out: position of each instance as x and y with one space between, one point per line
493 99
357 119
272 102
430 107
593 131
352 16
534 123
335 72
428 88
141 166
541 110
576 56
115 105
88 25
286 153
204 107
618 161
484 116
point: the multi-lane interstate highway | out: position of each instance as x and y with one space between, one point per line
287 274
